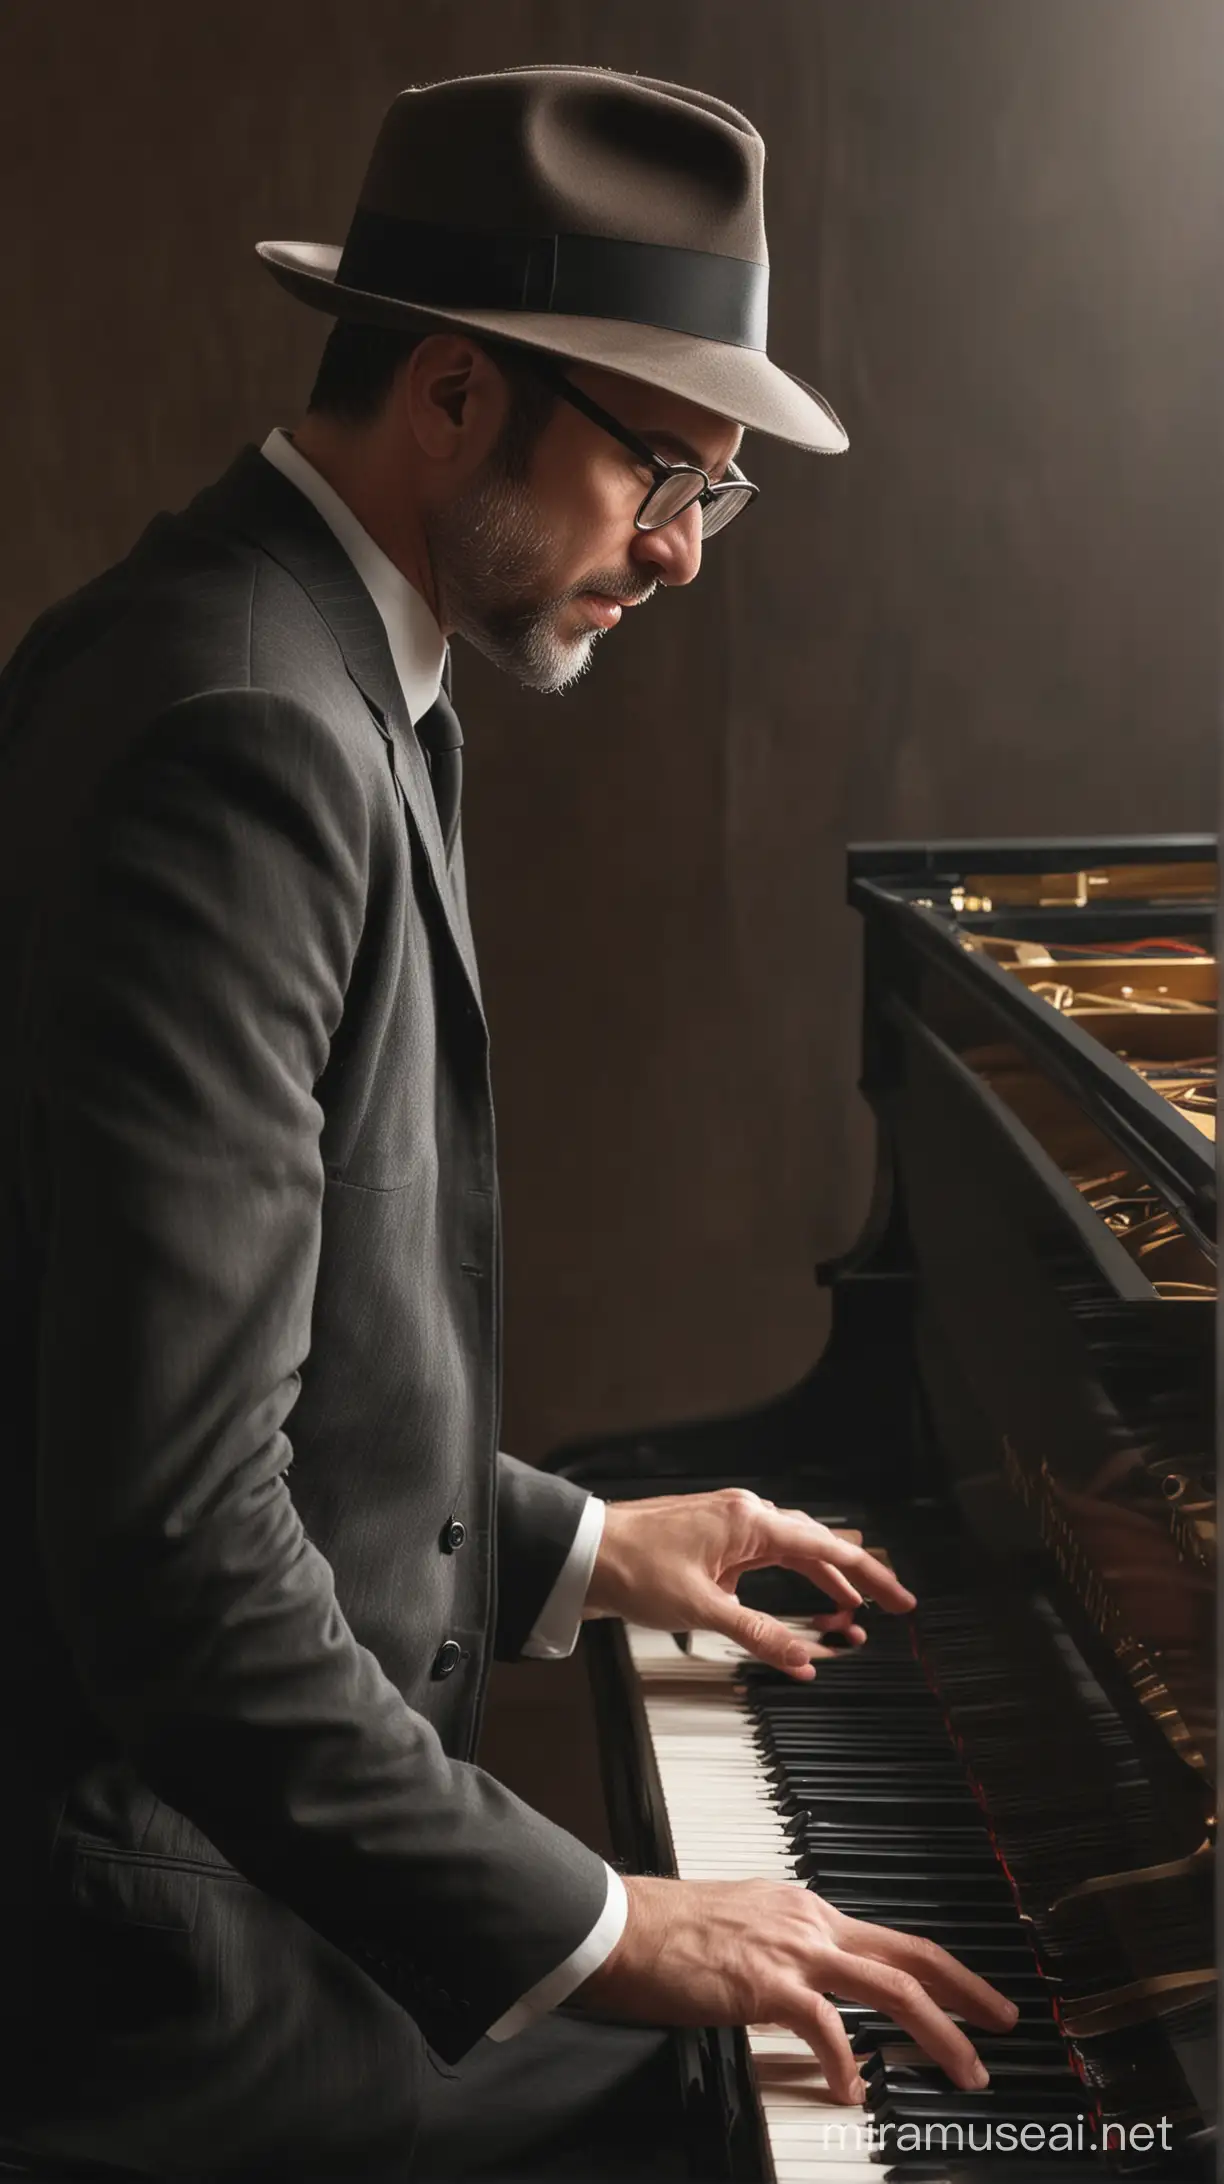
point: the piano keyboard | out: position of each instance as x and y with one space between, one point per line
852 1784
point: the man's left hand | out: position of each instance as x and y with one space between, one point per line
673 1564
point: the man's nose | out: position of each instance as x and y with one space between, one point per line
674 551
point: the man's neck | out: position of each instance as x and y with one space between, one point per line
357 469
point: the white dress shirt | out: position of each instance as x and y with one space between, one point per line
418 650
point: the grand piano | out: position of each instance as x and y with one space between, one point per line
1016 1407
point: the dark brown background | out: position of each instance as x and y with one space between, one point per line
995 233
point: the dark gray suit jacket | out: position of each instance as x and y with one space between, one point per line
250 1262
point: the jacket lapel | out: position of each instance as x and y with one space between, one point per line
253 498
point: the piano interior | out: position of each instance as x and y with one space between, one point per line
1016 1405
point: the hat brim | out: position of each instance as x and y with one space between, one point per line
740 384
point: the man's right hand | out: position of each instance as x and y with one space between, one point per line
771 1953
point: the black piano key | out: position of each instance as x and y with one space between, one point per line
935 1858
1020 2075
888 1885
967 1852
811 1755
903 1889
1007 1936
924 1786
825 1777
935 1919
868 2028
886 1856
1032 2050
887 1824
860 1704
849 1806
857 1735
866 1709
970 2168
1039 2100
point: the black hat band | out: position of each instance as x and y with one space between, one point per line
583 276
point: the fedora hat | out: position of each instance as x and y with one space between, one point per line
614 220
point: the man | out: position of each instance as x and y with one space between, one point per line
266 1916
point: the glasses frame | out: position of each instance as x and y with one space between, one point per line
706 493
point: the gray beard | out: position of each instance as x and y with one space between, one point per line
491 554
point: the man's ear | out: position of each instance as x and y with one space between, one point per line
456 398
450 392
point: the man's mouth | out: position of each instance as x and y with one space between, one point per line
605 608
605 613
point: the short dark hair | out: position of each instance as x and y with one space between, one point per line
359 363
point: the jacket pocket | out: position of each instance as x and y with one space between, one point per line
129 1969
133 1889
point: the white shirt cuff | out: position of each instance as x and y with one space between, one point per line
556 1986
555 1633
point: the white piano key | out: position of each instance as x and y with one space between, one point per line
725 1826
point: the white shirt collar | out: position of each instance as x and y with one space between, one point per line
418 647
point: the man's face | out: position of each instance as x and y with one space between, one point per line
535 562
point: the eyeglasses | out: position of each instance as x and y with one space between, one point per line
677 486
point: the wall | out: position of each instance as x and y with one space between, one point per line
995 237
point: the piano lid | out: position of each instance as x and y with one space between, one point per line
1097 959
1054 1042
1133 858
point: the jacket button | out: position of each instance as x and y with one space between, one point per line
446 1660
454 1532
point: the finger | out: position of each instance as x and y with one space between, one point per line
836 1531
799 1543
823 1574
831 1581
759 1634
949 1982
899 1995
873 1578
837 1587
817 2020
821 1649
843 1622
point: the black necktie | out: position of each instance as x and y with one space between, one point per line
441 739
